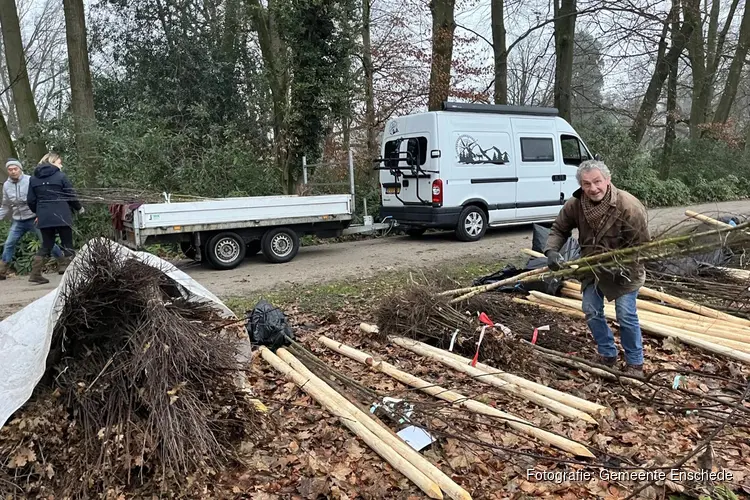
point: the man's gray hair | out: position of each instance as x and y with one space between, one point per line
589 165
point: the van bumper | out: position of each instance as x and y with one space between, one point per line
423 216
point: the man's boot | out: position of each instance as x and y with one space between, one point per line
37 264
62 264
3 269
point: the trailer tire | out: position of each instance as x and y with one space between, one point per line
225 250
416 232
280 245
472 224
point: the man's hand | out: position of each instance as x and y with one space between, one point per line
81 211
555 261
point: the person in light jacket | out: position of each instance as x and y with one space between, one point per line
14 205
52 197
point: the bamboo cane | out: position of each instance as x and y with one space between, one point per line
512 421
445 483
560 310
738 338
484 377
573 290
562 397
664 331
321 393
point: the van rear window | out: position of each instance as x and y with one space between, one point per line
416 147
537 149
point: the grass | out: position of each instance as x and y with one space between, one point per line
364 293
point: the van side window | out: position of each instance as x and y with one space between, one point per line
537 149
573 151
415 146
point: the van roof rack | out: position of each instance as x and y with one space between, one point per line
500 109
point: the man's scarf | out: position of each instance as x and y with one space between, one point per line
595 213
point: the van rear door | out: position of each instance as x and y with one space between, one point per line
408 157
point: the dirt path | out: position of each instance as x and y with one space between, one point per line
340 261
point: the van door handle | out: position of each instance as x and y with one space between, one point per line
558 178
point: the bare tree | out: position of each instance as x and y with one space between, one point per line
443 29
500 52
7 150
81 89
670 133
565 26
19 81
735 70
369 76
665 60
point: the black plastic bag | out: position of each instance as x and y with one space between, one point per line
267 325
570 250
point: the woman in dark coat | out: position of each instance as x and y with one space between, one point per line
52 197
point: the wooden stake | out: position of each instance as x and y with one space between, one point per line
697 329
317 390
564 398
512 421
445 483
664 331
483 377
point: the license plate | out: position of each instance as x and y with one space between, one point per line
392 190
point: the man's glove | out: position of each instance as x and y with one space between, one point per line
555 261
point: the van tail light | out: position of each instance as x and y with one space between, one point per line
437 192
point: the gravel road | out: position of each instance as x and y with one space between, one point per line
341 261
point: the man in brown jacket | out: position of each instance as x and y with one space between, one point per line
607 219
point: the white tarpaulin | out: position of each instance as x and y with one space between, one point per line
25 337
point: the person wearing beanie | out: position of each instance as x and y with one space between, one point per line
52 197
15 191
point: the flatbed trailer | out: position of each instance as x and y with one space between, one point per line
222 232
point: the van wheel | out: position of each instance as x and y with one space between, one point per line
472 224
226 250
280 245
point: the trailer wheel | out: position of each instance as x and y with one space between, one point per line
472 224
280 245
225 250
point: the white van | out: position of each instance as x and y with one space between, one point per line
470 166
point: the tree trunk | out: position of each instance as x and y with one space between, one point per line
670 133
274 54
663 63
715 55
7 150
23 98
697 56
735 70
81 89
443 27
565 27
372 146
500 51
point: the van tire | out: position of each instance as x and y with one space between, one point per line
280 245
472 224
225 250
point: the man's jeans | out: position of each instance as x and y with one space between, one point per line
17 230
627 317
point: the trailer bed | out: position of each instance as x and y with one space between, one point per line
252 210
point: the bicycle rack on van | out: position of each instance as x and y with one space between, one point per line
396 171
